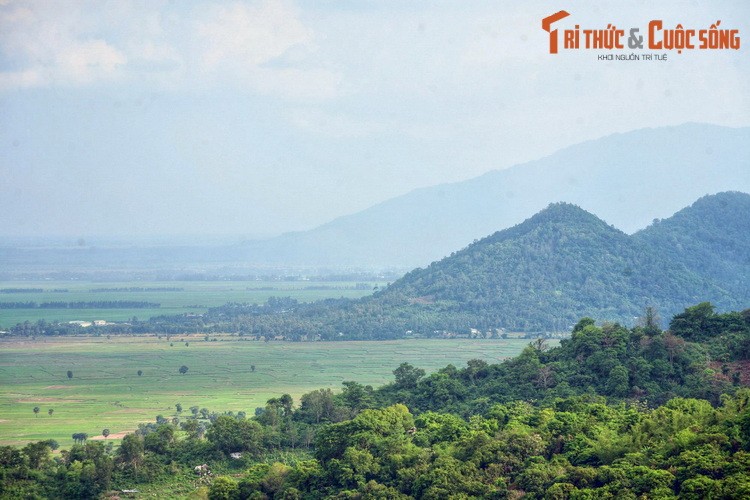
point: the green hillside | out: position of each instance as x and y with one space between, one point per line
711 238
557 266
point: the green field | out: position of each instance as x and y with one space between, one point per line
106 392
194 296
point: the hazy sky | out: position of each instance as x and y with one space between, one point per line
259 117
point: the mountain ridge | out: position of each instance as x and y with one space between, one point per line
563 262
627 179
730 243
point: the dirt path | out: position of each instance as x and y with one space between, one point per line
114 435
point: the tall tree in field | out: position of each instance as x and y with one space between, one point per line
184 369
105 433
80 437
140 372
70 374
36 411
50 411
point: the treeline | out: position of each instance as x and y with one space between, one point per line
610 413
577 448
98 304
138 289
21 290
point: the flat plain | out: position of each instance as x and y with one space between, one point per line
173 297
105 390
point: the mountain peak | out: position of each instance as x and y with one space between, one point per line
724 199
562 211
564 217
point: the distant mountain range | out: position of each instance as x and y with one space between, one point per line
542 275
626 179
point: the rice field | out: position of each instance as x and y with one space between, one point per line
105 390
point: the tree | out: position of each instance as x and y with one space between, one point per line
252 368
540 344
50 411
224 488
386 430
37 453
80 437
286 403
230 435
356 396
617 382
140 372
317 406
105 433
161 440
183 369
36 411
695 323
178 407
545 376
70 374
130 452
407 376
650 321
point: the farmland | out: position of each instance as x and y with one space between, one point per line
173 297
105 390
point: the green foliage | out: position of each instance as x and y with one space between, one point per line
130 453
229 435
727 335
224 488
407 376
577 421
318 406
711 237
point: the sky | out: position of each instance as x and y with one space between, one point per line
243 119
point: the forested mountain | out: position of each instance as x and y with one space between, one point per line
710 238
626 179
559 265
